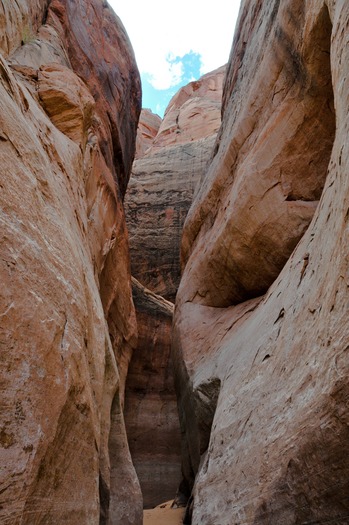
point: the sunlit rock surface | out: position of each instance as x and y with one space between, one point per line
148 127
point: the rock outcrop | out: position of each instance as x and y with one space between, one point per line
151 414
148 127
162 184
69 106
262 379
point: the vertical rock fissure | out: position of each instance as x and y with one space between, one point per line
150 403
171 159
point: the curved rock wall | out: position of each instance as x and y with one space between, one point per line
67 318
262 385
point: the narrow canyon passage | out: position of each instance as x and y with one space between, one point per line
151 415
164 176
267 211
174 300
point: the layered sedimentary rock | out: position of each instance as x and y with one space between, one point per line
151 414
175 154
69 106
262 379
163 182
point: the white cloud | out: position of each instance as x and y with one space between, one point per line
160 30
170 74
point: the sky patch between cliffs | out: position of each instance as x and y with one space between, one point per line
175 43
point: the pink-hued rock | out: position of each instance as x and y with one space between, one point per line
163 182
151 414
67 320
194 112
101 54
148 127
263 384
270 163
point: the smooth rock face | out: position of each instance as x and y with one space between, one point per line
271 160
96 41
151 414
263 384
64 269
148 127
162 184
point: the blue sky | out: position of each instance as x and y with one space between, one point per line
158 99
175 43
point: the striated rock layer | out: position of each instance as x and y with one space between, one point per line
69 106
262 379
151 414
163 182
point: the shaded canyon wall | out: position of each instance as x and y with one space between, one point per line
172 156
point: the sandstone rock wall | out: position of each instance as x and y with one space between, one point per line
151 414
19 22
69 106
148 127
262 379
175 153
162 184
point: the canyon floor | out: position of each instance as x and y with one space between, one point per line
163 515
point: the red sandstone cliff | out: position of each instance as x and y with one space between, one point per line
260 330
69 106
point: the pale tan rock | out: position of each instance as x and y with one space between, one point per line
194 112
148 127
66 100
270 374
151 415
19 22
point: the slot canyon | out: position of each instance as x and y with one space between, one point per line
174 291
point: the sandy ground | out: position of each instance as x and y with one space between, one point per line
163 515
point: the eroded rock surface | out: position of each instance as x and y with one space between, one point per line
151 414
262 382
162 184
69 107
148 127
